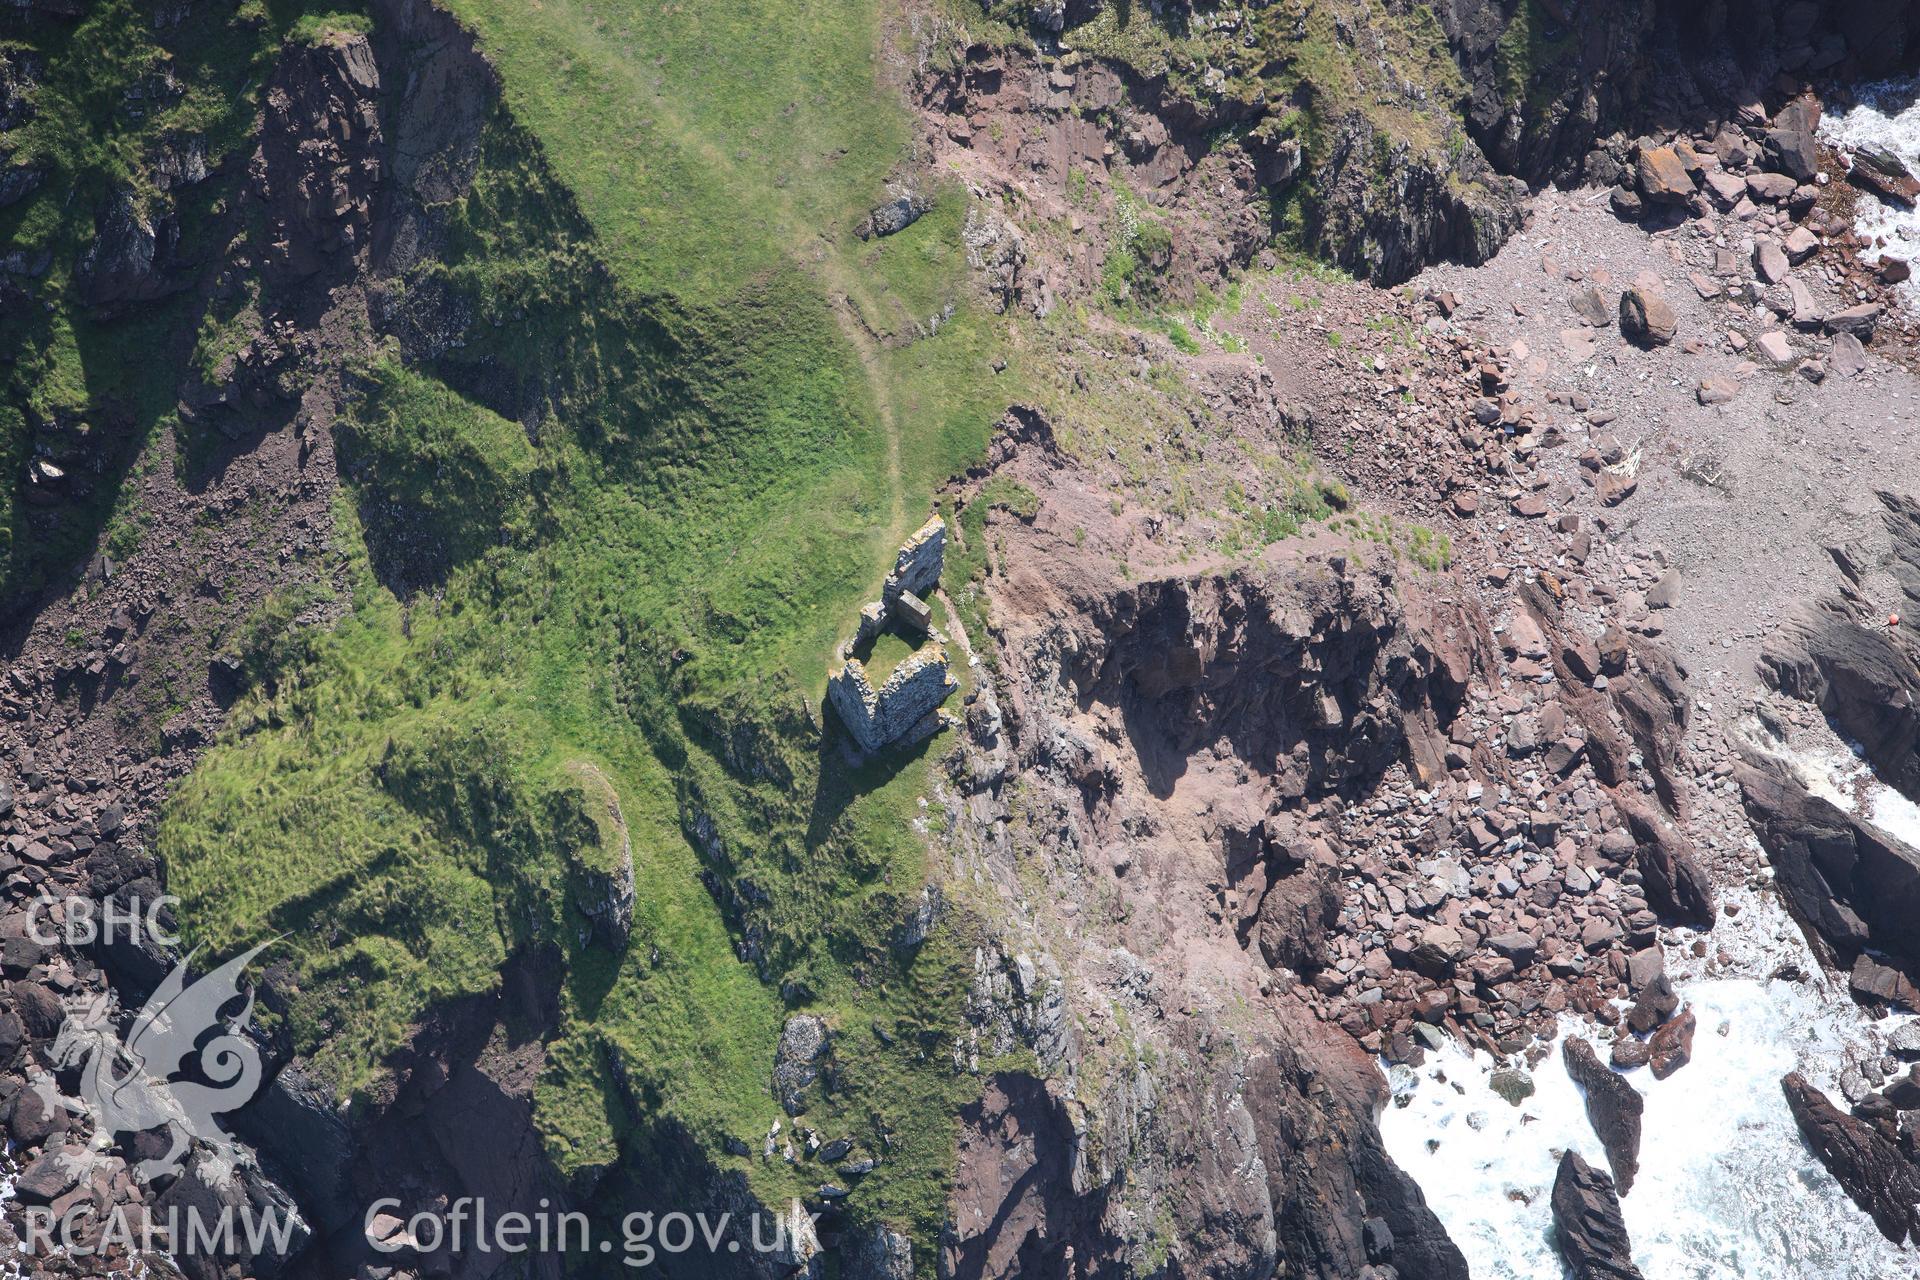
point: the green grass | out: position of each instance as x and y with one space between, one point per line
316 27
723 138
889 650
649 495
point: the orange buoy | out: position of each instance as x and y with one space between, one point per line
1893 619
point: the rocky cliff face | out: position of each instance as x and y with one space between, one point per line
1550 80
1406 136
1842 655
1854 885
1148 760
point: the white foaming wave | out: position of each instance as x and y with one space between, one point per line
1726 1190
1846 780
1888 115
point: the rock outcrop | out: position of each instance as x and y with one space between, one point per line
1842 657
804 1045
1876 1174
1864 678
1677 886
1426 213
320 156
1587 1226
1853 885
1614 1107
1549 82
131 258
1150 752
603 859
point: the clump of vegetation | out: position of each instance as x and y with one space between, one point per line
314 28
440 479
1423 546
1299 497
1139 250
1528 48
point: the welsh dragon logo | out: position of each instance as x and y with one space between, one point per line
139 1083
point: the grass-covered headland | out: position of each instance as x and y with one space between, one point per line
600 554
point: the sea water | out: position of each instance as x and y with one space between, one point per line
1888 115
1726 1190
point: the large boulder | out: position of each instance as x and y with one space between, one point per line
1297 910
1672 1045
1792 140
1614 1108
1850 882
1653 1004
1874 1172
1885 174
1587 1226
1663 179
804 1044
892 216
1647 319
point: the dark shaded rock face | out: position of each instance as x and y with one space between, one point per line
1851 883
1676 886
320 156
1614 1108
1315 681
1014 1210
1863 674
1871 1167
1864 678
1332 1203
1389 231
1586 70
1330 1176
1587 1226
131 258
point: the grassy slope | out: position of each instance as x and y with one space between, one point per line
727 467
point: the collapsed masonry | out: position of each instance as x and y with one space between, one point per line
905 707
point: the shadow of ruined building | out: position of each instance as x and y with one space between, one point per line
905 708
